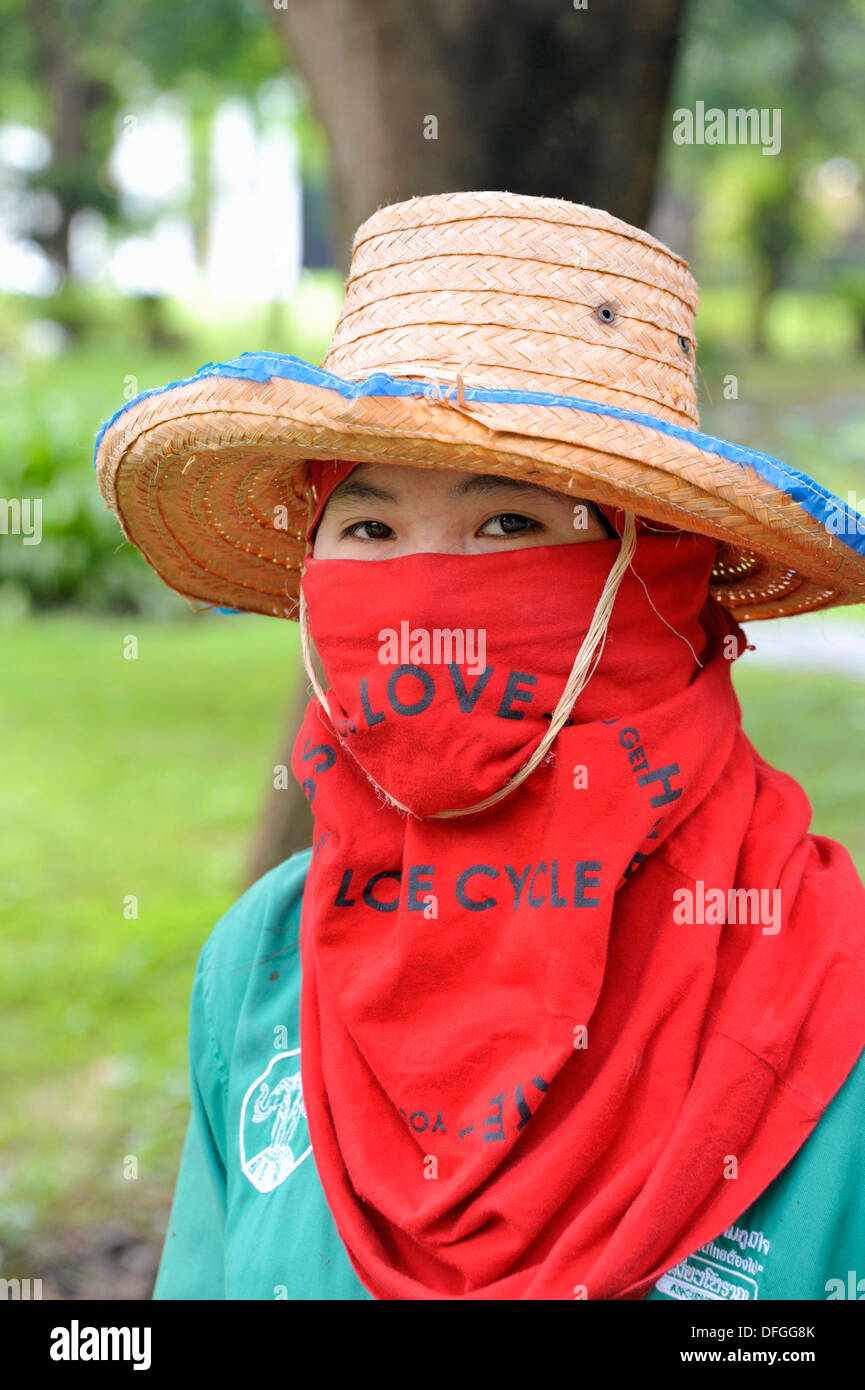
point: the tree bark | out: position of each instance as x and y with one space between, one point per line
531 96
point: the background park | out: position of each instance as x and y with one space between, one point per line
180 184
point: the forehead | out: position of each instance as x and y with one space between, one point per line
392 482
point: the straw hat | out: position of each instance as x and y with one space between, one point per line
485 331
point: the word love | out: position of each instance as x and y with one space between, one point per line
533 886
411 690
443 645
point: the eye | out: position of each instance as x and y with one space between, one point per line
684 344
606 314
503 517
358 526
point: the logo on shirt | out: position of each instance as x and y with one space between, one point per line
274 1138
717 1271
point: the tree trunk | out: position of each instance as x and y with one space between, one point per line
285 824
776 232
536 96
72 98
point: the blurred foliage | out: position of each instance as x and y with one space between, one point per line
53 408
849 286
69 69
136 793
769 218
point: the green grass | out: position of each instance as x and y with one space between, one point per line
121 777
146 777
812 727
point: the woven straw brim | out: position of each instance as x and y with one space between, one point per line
208 480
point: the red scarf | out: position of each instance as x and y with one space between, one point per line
525 1075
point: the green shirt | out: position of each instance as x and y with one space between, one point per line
250 1220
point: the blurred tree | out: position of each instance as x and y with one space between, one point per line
805 60
72 95
850 286
536 97
75 54
774 230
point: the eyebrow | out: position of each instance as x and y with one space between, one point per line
354 489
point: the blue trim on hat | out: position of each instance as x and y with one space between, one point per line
810 495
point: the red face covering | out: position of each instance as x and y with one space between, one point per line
545 1053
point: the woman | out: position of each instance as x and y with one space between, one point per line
564 1001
